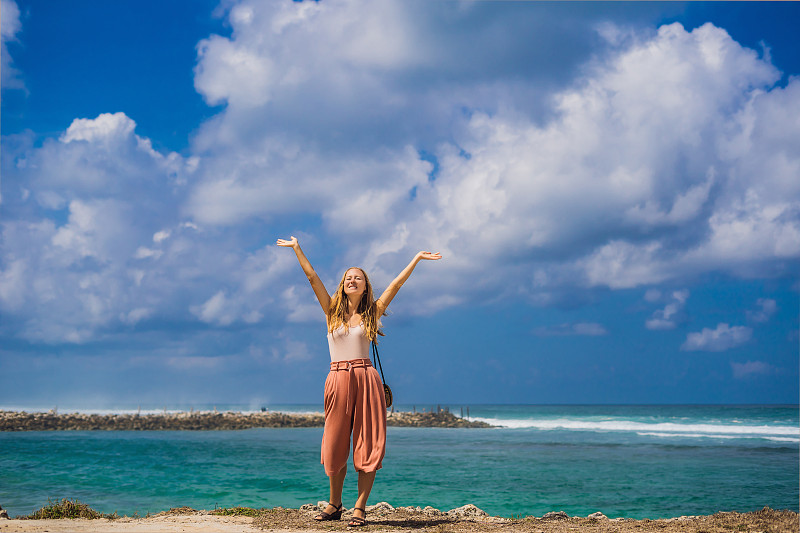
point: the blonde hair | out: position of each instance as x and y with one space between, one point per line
337 312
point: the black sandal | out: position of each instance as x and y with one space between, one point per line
357 521
336 515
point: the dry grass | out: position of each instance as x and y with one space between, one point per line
66 508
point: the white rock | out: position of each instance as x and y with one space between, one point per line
597 516
380 507
467 511
555 515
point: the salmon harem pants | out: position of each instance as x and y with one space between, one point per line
354 403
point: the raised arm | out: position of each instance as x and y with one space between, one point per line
390 292
319 289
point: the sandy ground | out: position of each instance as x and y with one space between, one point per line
223 524
300 521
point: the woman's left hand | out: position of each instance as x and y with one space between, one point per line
429 256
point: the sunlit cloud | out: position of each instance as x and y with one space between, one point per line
720 339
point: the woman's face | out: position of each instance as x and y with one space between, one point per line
354 282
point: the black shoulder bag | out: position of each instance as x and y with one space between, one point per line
376 361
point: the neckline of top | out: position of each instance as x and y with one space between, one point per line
348 326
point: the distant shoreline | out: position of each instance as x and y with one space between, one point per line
207 421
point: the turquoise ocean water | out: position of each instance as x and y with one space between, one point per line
626 461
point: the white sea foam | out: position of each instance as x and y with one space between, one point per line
692 435
660 429
783 439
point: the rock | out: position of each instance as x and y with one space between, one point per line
432 511
680 518
3 514
555 515
597 516
309 507
380 507
467 511
202 420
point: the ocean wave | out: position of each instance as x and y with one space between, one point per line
718 436
662 429
692 435
783 439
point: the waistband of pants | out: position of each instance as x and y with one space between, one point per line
348 365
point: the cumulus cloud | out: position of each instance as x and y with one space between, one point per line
723 338
752 369
669 154
766 307
98 246
10 26
591 329
666 318
382 58
633 179
650 167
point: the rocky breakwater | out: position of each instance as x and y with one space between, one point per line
433 419
201 421
198 421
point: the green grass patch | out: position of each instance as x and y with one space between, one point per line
66 508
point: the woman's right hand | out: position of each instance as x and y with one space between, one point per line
290 243
319 289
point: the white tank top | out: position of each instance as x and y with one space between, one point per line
348 344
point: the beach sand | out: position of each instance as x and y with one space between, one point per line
382 517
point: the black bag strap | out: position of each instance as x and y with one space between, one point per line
377 358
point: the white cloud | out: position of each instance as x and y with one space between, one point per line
136 315
278 46
751 369
106 128
144 253
286 351
161 236
294 351
643 173
670 155
766 308
10 26
720 339
666 318
591 329
99 263
101 158
217 309
303 308
12 287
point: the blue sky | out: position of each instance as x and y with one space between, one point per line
614 188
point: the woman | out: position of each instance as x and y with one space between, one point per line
354 399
